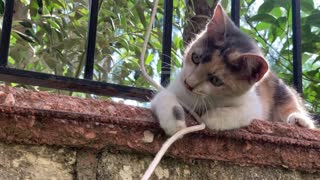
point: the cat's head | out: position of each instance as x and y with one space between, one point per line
222 61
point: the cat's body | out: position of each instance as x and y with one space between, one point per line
227 81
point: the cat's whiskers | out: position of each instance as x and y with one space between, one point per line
194 108
199 107
165 63
210 101
205 106
178 56
171 58
199 94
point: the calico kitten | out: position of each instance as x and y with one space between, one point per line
226 79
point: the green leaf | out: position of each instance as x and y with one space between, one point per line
140 12
309 47
11 60
263 26
307 5
265 18
1 7
149 59
314 19
312 73
306 32
282 21
276 12
53 24
225 3
266 7
26 24
210 2
30 33
25 37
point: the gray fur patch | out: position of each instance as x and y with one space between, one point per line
281 93
178 112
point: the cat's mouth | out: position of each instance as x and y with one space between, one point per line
190 88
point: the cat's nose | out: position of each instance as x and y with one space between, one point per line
187 85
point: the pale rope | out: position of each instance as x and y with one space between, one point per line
166 146
144 48
181 132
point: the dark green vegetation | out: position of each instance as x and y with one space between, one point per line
49 36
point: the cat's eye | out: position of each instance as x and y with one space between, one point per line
215 80
195 58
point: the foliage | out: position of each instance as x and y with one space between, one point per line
271 26
50 37
53 39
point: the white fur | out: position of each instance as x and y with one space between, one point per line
245 108
223 114
162 105
300 119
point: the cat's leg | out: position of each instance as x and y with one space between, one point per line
284 102
292 112
169 112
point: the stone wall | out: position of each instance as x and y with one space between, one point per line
36 162
57 163
47 136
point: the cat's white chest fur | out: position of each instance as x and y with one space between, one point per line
223 114
245 109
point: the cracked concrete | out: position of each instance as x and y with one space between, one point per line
36 162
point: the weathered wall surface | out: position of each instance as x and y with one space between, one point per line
88 139
36 162
55 163
132 166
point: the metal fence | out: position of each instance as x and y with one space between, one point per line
87 85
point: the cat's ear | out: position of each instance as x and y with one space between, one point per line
250 67
216 28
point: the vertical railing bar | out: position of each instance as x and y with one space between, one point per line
166 42
6 32
91 39
235 12
296 30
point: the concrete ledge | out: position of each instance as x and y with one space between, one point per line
41 118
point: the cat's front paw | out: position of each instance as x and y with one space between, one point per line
172 120
174 127
301 120
168 111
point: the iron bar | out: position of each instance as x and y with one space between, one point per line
296 29
166 42
6 32
91 41
100 88
73 84
235 12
